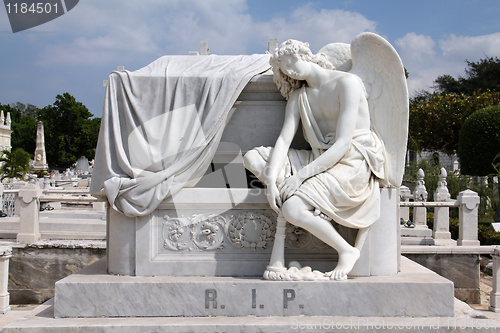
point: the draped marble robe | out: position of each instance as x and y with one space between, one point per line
161 126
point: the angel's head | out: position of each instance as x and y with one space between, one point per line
297 50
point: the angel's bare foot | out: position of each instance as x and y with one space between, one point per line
347 259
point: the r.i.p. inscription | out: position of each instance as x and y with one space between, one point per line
288 300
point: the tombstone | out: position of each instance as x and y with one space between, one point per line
82 166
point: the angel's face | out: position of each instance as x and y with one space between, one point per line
295 67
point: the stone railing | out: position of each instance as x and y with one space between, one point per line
495 292
467 203
29 200
52 196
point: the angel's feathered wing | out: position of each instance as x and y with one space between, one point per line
378 64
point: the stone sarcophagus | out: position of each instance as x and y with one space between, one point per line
224 225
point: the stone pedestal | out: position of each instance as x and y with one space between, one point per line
29 201
468 211
415 291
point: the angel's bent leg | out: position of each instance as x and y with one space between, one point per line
300 213
254 162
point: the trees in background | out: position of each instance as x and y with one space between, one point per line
15 164
436 119
481 75
479 142
70 132
69 127
440 121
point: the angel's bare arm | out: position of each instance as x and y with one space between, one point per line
285 138
280 150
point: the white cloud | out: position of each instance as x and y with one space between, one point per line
116 31
470 48
415 46
426 60
318 28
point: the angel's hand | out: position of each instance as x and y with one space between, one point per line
289 186
273 196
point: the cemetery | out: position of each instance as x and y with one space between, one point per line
179 224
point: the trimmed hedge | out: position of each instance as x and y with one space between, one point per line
479 141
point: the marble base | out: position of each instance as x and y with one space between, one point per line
42 320
420 235
415 291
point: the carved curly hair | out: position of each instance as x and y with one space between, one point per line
298 50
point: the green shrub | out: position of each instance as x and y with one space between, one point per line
485 232
436 120
487 235
479 142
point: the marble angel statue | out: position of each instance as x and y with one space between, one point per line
353 105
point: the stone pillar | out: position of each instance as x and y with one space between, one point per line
46 182
29 201
272 45
120 243
204 50
40 162
441 231
495 292
5 254
2 188
405 195
420 195
468 214
385 236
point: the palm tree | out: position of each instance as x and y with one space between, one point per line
15 163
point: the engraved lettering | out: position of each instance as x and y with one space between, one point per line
210 296
288 295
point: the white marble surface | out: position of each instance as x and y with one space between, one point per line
41 319
92 293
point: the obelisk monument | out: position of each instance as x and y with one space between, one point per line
40 163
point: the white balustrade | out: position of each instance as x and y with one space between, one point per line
495 292
441 229
420 195
467 203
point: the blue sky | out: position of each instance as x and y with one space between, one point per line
76 52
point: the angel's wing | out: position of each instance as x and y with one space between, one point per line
339 54
378 64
